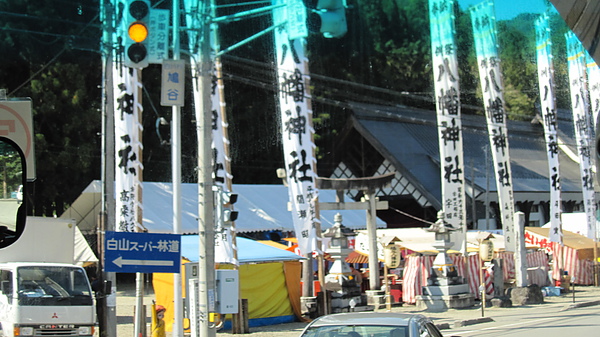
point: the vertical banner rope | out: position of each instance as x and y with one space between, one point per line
447 93
483 21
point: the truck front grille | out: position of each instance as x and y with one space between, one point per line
55 332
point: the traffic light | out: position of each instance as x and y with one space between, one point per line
224 201
135 33
327 17
229 215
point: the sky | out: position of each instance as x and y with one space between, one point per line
508 9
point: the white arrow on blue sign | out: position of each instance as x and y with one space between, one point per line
128 252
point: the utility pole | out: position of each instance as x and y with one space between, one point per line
206 261
107 301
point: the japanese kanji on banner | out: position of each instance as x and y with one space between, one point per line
582 126
224 241
549 120
224 237
128 147
593 73
483 21
445 72
297 133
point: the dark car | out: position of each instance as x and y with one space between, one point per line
371 324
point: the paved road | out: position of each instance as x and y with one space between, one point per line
562 307
583 321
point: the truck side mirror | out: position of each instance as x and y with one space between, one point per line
13 192
6 288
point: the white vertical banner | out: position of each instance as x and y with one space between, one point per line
447 93
545 70
128 147
593 75
483 21
297 132
582 126
224 240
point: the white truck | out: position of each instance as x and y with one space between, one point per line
42 291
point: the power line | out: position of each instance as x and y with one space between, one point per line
411 216
49 63
44 18
25 31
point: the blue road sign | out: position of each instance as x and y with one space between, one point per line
128 252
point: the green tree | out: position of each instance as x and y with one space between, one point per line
517 52
67 137
46 56
11 171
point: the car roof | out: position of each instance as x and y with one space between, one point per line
366 318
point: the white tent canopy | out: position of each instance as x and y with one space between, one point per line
260 207
422 241
575 222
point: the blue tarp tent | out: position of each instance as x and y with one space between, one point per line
249 251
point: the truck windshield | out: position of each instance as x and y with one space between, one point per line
46 285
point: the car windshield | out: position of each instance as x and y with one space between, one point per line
52 286
357 331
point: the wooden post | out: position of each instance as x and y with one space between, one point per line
482 286
388 300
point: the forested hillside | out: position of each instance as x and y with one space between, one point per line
50 52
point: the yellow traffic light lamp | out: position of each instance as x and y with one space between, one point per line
135 33
138 32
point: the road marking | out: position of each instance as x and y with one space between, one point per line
506 325
120 262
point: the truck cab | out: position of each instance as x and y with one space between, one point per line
45 299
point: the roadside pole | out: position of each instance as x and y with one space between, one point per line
206 275
107 302
139 326
372 234
177 330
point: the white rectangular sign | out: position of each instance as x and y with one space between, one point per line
296 19
158 37
173 83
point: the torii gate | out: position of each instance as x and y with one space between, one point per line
368 185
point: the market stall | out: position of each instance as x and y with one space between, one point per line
576 256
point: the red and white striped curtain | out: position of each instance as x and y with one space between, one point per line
581 271
537 264
416 272
474 263
415 277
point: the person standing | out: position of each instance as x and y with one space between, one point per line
158 322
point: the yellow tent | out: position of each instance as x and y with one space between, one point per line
271 287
